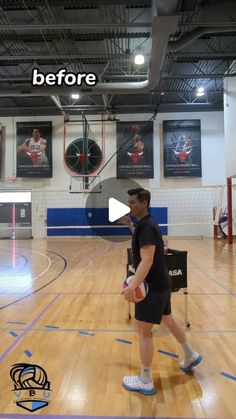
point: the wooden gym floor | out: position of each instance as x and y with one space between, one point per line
61 309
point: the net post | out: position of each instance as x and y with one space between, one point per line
229 210
215 227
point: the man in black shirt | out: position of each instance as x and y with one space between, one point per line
149 263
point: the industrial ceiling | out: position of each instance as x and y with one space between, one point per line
187 44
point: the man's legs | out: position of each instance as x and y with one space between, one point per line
174 328
143 383
192 358
145 343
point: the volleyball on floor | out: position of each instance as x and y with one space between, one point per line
141 291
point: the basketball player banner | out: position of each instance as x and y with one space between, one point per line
135 150
34 149
182 148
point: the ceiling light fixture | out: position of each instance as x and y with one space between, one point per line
75 96
139 59
200 91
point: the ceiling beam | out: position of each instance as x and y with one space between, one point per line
210 24
57 101
196 76
90 36
117 57
203 55
87 4
84 26
78 56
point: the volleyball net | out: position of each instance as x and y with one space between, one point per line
179 211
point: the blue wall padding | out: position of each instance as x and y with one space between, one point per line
58 217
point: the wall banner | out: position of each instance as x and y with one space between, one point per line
34 149
135 145
182 148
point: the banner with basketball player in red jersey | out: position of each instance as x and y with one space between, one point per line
135 150
34 149
182 148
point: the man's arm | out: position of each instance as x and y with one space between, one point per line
147 255
126 220
43 144
24 147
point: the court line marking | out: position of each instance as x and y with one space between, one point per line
43 286
86 332
28 353
14 334
54 330
214 280
95 253
129 342
28 329
39 253
167 353
26 262
52 327
231 377
48 267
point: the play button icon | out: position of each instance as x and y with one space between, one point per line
106 203
117 210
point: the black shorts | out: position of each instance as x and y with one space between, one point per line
153 307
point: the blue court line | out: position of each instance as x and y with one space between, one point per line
14 322
225 374
158 331
27 330
52 327
84 332
59 329
167 353
124 341
14 334
28 353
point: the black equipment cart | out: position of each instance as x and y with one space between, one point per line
176 261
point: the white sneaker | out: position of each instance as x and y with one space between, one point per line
189 363
134 383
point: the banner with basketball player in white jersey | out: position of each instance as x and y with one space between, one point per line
34 149
182 148
135 150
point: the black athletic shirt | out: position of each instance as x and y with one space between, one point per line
147 232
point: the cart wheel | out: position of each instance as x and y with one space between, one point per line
187 324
